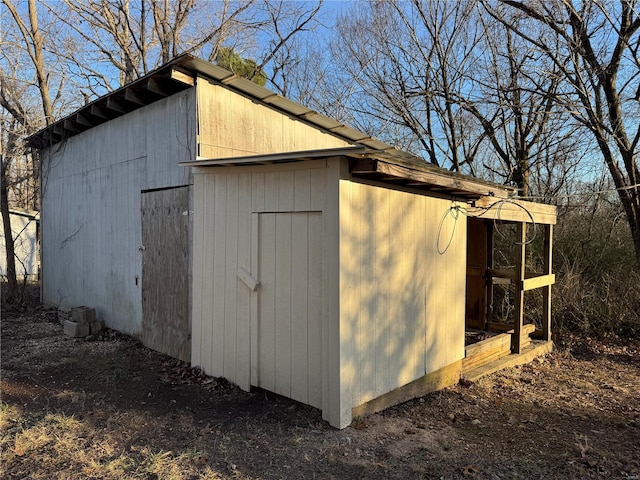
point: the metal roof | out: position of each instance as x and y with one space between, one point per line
180 74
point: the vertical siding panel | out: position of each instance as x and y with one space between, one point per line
431 245
381 276
348 283
219 271
243 343
257 192
271 192
368 293
197 269
254 355
267 309
285 191
399 288
318 186
422 273
299 301
302 191
231 279
283 304
315 310
359 251
208 234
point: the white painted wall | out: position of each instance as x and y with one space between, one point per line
393 283
226 203
91 225
402 289
23 230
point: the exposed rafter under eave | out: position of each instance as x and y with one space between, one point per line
426 178
144 91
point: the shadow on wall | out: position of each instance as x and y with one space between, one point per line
403 266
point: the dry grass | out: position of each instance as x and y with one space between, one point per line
67 448
111 409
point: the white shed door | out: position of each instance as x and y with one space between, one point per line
287 353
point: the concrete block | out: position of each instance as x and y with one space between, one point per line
96 326
63 315
74 329
83 314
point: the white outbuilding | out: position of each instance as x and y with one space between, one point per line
246 234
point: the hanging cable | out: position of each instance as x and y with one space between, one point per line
448 212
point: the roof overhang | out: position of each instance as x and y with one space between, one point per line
166 81
274 158
368 164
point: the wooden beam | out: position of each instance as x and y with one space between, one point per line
100 112
84 120
436 179
154 86
518 310
546 292
69 125
490 265
539 281
113 104
131 96
182 77
513 210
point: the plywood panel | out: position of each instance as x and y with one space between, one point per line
165 272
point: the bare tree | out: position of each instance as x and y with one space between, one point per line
407 61
446 81
512 93
599 65
19 117
132 38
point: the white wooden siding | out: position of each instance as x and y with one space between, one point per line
289 304
223 305
91 223
231 125
23 229
401 301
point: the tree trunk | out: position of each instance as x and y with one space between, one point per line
12 280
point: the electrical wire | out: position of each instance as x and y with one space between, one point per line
580 194
500 204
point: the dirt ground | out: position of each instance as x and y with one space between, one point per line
107 407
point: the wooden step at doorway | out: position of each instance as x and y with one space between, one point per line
535 349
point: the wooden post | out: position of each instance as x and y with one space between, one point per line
546 292
489 276
519 258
